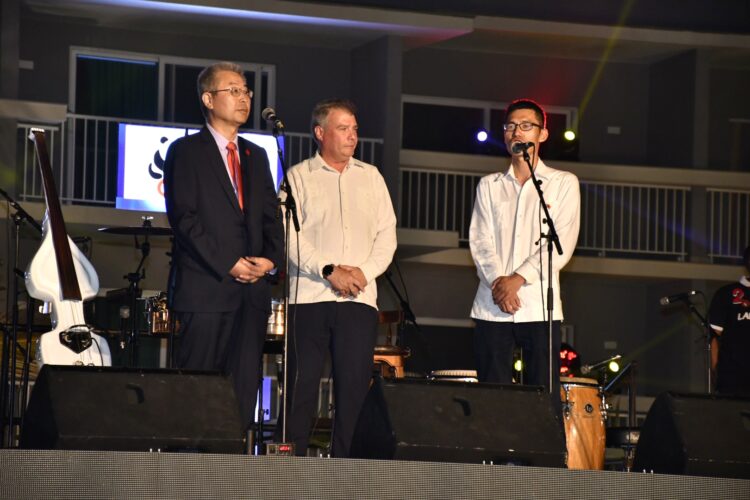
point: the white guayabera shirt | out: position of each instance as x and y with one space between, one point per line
505 229
345 218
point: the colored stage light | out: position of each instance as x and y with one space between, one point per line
482 136
518 365
614 366
569 135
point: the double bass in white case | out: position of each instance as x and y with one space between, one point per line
61 276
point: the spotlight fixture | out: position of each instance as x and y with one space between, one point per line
482 135
569 135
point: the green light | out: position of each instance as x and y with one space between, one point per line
614 366
518 365
569 135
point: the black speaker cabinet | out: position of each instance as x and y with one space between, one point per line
459 422
94 408
698 435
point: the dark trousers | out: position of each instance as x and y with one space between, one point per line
228 342
348 330
495 341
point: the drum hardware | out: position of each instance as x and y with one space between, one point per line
157 314
276 327
144 230
134 279
388 358
469 376
625 437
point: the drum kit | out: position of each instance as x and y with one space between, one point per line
155 308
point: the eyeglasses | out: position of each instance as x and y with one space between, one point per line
524 126
235 91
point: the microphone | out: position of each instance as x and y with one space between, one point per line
269 115
586 369
678 297
520 147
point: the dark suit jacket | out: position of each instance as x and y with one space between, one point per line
210 230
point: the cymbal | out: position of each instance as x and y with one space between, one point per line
138 230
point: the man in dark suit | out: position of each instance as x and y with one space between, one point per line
221 204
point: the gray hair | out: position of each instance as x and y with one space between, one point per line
207 77
323 109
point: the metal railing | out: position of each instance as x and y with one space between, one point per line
84 156
728 221
617 219
633 219
437 200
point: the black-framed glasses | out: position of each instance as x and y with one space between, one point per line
524 126
235 91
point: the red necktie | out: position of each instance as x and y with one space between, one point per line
234 168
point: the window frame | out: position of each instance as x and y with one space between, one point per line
162 60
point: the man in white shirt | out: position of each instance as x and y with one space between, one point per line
510 306
347 239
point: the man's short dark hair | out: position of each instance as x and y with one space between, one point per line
207 77
527 104
323 109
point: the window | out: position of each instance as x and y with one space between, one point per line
152 87
116 87
451 125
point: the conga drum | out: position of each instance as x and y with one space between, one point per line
584 412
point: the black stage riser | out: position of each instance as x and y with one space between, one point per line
63 474
459 422
697 435
94 408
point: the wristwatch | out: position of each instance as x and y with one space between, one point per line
327 270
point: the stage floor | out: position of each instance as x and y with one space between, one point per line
26 474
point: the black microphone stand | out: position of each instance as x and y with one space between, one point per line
10 346
552 239
134 292
405 307
291 212
709 336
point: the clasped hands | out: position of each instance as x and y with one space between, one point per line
250 269
505 293
347 281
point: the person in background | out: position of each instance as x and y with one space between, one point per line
729 317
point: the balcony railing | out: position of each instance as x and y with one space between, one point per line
617 219
84 154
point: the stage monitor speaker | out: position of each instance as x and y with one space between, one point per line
698 435
459 422
94 408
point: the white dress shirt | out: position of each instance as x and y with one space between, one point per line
345 218
221 143
505 228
